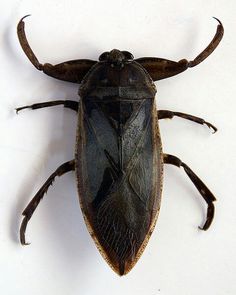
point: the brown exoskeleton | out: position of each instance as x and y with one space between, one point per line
118 156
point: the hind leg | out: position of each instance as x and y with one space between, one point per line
200 186
29 210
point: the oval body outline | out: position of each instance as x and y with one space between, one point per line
119 161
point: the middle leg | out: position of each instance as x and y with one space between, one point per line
70 104
165 114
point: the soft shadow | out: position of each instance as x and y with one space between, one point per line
7 44
191 191
22 199
61 210
74 248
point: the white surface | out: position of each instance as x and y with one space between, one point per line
62 258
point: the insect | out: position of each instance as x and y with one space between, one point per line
118 155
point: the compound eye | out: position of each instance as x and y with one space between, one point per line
128 55
104 56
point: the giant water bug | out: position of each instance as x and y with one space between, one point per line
118 160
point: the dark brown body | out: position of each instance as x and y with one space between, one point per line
118 158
